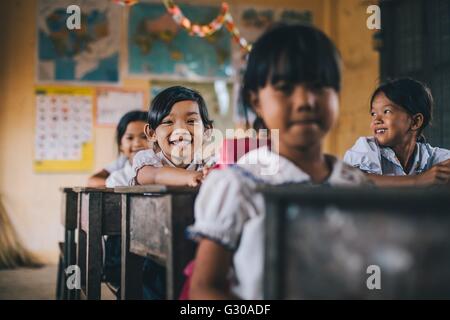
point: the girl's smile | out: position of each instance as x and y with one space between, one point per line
134 139
180 132
391 125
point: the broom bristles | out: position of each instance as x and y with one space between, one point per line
13 254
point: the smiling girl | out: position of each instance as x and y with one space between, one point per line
131 139
397 154
177 121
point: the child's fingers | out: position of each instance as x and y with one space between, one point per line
443 174
193 183
445 163
443 169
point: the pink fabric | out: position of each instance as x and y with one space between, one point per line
233 149
188 271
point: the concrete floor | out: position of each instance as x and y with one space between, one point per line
34 284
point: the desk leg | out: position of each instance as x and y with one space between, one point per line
180 250
131 271
81 262
94 265
69 259
80 252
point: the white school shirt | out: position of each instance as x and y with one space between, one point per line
370 157
117 164
120 178
149 157
229 211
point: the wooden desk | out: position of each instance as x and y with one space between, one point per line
99 213
320 242
154 220
69 208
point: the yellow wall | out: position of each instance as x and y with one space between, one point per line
360 72
33 200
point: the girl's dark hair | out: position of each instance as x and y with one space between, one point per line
125 120
163 102
412 95
297 54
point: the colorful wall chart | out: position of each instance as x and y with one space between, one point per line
113 103
64 129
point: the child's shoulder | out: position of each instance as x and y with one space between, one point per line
435 154
117 164
344 174
120 178
147 157
365 155
365 144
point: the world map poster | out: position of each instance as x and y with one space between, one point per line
159 48
88 54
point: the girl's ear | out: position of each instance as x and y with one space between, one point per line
208 133
254 101
417 121
149 133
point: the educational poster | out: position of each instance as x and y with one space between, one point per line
113 103
89 54
159 49
64 129
252 22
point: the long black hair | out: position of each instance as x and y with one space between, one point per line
297 54
128 117
163 102
411 95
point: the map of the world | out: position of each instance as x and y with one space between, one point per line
88 54
157 46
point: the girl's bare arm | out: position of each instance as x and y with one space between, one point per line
98 180
212 265
436 175
168 176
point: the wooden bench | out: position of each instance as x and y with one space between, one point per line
69 209
320 243
99 214
154 220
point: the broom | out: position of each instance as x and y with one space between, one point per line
12 252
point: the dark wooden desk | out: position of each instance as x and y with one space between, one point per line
69 207
320 241
154 219
99 214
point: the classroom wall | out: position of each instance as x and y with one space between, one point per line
360 72
33 200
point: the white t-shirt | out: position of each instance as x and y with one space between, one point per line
120 178
117 164
370 157
229 211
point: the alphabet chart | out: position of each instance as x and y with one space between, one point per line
64 129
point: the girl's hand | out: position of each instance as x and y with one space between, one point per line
206 171
194 178
439 174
